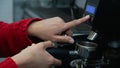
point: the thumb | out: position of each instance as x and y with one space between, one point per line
46 44
57 62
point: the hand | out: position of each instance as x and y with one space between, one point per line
52 28
36 56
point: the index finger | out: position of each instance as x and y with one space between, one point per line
73 23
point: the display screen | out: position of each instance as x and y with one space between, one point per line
90 9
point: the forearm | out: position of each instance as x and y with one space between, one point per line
8 63
14 37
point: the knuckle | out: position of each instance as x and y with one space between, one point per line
64 38
67 38
59 19
54 39
75 21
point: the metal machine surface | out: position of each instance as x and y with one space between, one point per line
100 48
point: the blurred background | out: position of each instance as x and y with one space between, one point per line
15 10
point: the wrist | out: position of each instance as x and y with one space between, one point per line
21 61
30 29
30 26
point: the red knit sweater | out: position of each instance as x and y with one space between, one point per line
13 38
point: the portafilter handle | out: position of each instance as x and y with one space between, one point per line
60 53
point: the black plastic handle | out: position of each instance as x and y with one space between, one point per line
58 53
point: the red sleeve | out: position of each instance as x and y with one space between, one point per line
14 37
8 63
